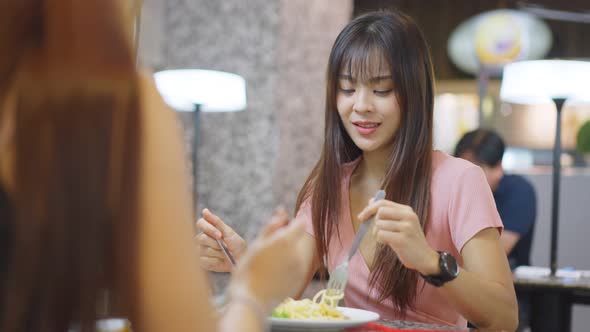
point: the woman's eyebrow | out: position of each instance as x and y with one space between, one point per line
346 77
377 79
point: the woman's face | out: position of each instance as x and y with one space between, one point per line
368 107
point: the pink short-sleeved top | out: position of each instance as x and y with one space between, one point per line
462 205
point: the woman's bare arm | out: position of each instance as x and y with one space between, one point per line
174 291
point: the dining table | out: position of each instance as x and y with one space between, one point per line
381 325
552 299
385 325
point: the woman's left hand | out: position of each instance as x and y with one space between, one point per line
398 226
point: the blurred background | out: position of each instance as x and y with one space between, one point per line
251 161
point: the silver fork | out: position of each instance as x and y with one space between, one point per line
221 300
226 252
339 276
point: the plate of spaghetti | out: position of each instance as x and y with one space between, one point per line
320 313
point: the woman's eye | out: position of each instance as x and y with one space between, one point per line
347 91
383 92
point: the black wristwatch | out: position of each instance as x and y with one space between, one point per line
449 270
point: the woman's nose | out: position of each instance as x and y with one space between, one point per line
362 101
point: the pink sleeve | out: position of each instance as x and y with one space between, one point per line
471 207
304 215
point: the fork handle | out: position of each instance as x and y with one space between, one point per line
364 227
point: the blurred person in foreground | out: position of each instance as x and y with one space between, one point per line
92 187
515 200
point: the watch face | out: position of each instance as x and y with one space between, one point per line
449 263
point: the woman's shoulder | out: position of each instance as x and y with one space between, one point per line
449 166
451 173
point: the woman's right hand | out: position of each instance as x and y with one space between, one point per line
272 269
212 257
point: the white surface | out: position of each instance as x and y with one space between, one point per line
536 82
215 91
112 325
538 271
356 317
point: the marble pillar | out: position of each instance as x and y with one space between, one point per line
249 162
308 30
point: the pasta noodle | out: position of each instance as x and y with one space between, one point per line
322 306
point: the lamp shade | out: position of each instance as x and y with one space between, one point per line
213 91
497 37
539 81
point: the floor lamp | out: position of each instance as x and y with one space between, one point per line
542 82
196 91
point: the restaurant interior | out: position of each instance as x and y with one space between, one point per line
247 81
254 155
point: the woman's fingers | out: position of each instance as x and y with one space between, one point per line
389 226
213 264
279 219
388 237
214 220
274 257
384 209
212 252
206 241
293 232
207 228
394 213
374 207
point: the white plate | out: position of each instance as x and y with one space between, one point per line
356 317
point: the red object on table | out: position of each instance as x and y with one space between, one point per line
374 327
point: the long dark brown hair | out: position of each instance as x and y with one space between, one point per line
71 68
400 42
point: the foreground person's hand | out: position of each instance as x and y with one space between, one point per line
270 270
211 255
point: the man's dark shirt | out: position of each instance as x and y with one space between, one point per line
517 206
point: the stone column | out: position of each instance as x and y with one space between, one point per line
251 161
308 30
151 34
236 152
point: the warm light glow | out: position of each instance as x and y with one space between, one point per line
515 159
454 115
537 82
214 91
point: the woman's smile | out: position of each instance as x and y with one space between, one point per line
366 128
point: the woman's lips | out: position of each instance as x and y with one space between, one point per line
366 128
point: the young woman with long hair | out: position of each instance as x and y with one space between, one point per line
95 220
433 254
